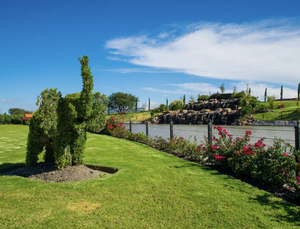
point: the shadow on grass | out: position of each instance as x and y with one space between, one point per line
7 166
292 213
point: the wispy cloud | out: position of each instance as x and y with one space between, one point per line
7 100
265 51
134 70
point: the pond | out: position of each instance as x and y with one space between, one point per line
286 133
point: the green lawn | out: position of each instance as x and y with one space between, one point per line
152 189
290 112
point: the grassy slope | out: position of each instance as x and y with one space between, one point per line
290 112
151 189
139 116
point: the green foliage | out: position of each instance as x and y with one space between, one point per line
202 97
271 101
215 96
177 105
248 102
265 96
11 119
161 108
222 88
239 95
192 99
183 100
18 111
120 101
59 125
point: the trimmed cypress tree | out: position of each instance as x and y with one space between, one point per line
265 97
136 104
281 93
167 103
149 105
299 91
183 99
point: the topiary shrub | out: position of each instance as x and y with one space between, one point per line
60 124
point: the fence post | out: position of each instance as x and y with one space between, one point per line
130 125
297 135
209 129
171 129
147 128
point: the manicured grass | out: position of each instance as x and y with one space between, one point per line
290 112
152 189
139 116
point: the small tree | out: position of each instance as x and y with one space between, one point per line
271 101
120 101
14 111
265 97
234 90
281 93
183 99
299 91
192 99
149 105
222 88
167 104
136 104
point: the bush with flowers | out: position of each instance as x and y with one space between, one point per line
277 165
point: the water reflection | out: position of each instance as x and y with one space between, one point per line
286 133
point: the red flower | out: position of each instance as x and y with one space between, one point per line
213 147
248 132
285 154
247 151
219 157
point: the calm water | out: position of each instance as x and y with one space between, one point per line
286 133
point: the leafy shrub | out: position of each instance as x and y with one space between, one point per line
202 97
239 95
177 105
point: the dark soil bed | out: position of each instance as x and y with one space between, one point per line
48 172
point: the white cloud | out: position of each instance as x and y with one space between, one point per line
266 51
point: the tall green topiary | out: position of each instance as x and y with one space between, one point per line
60 124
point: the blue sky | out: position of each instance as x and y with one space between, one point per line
156 49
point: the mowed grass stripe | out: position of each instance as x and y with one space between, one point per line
151 189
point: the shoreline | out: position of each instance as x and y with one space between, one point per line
254 123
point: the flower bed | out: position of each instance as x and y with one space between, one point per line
277 165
